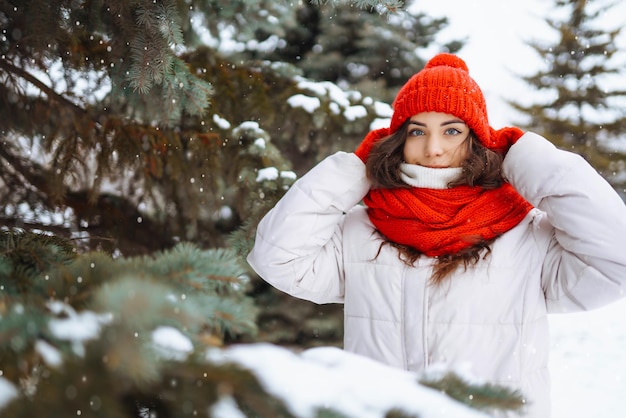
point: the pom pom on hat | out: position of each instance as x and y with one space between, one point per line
447 60
444 85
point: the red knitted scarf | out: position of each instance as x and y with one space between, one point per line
443 222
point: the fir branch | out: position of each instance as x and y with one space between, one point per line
381 6
197 96
329 413
27 256
139 72
215 270
485 397
152 60
184 92
52 95
169 23
145 17
21 325
171 98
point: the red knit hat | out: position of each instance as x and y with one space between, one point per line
444 85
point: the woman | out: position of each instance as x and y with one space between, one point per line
467 238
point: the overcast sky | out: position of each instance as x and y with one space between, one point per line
497 32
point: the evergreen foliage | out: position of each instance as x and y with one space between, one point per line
132 109
202 289
337 42
85 323
578 108
380 6
487 397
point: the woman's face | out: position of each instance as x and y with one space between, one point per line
436 140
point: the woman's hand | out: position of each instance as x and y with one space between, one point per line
503 139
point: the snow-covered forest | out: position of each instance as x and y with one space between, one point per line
143 141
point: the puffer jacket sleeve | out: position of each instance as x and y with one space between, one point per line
585 264
298 244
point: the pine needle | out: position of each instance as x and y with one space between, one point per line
483 397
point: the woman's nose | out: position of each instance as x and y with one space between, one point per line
433 146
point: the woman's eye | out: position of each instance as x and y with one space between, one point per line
416 132
452 131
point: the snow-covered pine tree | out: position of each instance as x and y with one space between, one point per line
368 46
128 109
580 105
92 333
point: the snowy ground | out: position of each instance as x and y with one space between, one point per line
588 363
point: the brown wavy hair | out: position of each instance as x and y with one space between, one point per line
481 168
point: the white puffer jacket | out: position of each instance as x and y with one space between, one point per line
568 254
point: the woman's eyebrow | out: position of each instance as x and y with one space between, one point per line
449 122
